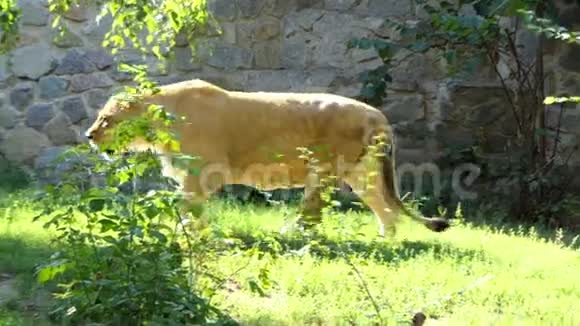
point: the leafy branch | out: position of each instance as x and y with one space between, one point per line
9 18
149 26
548 28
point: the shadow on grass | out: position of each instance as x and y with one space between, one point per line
29 302
565 237
18 256
321 246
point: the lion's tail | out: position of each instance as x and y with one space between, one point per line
392 190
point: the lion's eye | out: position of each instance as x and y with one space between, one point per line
105 123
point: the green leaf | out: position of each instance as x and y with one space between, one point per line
552 100
368 92
196 209
158 235
450 56
97 205
50 271
254 287
107 224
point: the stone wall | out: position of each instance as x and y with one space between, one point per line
51 87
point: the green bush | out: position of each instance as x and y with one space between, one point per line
12 177
127 257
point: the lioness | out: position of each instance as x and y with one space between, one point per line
252 138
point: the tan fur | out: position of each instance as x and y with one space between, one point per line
252 138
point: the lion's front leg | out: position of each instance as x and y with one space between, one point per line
313 203
195 196
198 187
311 213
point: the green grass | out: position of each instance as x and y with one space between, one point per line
466 276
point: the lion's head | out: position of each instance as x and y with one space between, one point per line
115 111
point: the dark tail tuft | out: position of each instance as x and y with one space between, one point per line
437 224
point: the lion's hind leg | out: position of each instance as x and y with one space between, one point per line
368 182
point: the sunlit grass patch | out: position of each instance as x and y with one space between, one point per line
344 273
467 275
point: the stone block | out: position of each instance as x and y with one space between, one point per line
81 83
120 76
127 58
475 106
351 91
568 84
96 98
38 115
228 32
184 61
278 8
181 40
68 39
95 30
8 117
341 4
267 28
330 53
48 157
87 123
234 82
333 35
245 33
268 55
362 56
74 62
418 130
308 4
552 115
390 8
52 167
410 142
223 9
22 95
294 52
77 13
571 121
411 156
250 8
166 80
32 61
407 108
569 60
450 136
156 67
297 22
229 57
52 87
568 14
74 108
319 80
27 37
33 13
23 144
130 56
273 80
5 72
60 132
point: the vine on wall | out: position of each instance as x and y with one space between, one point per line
466 42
